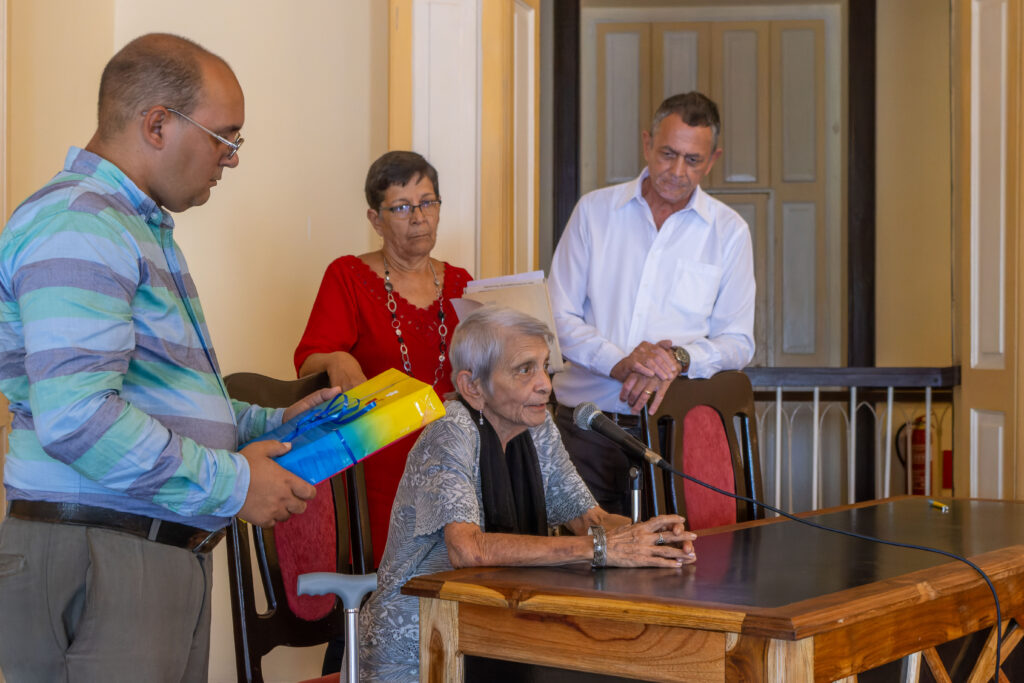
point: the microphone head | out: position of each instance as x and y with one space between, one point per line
585 414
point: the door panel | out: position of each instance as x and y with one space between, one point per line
624 95
740 86
798 180
680 59
987 198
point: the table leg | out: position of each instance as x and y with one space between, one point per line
791 661
986 663
938 669
440 658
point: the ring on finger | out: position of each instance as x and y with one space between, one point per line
661 540
648 392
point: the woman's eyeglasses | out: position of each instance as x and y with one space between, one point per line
431 207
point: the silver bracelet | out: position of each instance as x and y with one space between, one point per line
600 547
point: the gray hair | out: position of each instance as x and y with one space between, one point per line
695 109
480 338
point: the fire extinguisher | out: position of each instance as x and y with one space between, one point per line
918 454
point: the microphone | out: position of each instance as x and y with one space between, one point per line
588 417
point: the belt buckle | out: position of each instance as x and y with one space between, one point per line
209 541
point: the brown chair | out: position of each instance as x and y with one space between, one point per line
332 535
707 429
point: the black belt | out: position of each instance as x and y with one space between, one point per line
626 421
170 533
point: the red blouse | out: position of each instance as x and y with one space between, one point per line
350 314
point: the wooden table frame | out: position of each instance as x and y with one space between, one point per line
567 617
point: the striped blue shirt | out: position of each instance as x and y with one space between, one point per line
114 388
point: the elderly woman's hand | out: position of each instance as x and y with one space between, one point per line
661 541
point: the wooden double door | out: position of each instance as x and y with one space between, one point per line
769 80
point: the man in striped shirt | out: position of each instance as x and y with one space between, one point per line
124 466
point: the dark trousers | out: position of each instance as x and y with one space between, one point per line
602 465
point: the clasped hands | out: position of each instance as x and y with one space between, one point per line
646 374
661 541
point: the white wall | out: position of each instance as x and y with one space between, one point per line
315 80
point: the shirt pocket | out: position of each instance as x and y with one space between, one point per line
695 288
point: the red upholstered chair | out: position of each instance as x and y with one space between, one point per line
707 429
332 535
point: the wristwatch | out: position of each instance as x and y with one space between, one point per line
682 357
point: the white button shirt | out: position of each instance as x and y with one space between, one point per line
617 280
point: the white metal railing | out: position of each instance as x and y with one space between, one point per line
837 401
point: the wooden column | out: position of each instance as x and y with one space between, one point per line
566 154
861 219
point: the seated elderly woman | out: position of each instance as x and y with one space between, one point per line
483 485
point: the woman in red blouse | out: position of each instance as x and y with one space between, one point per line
389 308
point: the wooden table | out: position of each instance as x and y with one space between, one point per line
766 601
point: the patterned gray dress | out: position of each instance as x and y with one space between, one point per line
441 484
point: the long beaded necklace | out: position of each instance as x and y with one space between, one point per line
442 329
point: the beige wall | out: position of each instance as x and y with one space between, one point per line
914 297
315 79
52 93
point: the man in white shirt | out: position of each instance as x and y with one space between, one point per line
653 279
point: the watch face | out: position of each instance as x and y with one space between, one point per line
682 357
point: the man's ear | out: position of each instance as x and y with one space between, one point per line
153 122
469 389
715 156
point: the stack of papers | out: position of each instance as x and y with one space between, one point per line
526 292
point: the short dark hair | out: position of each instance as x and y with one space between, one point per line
397 168
695 109
154 69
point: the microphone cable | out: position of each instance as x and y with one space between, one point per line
663 464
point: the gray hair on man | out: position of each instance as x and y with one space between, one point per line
695 109
479 338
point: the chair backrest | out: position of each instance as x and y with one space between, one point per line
332 535
707 429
